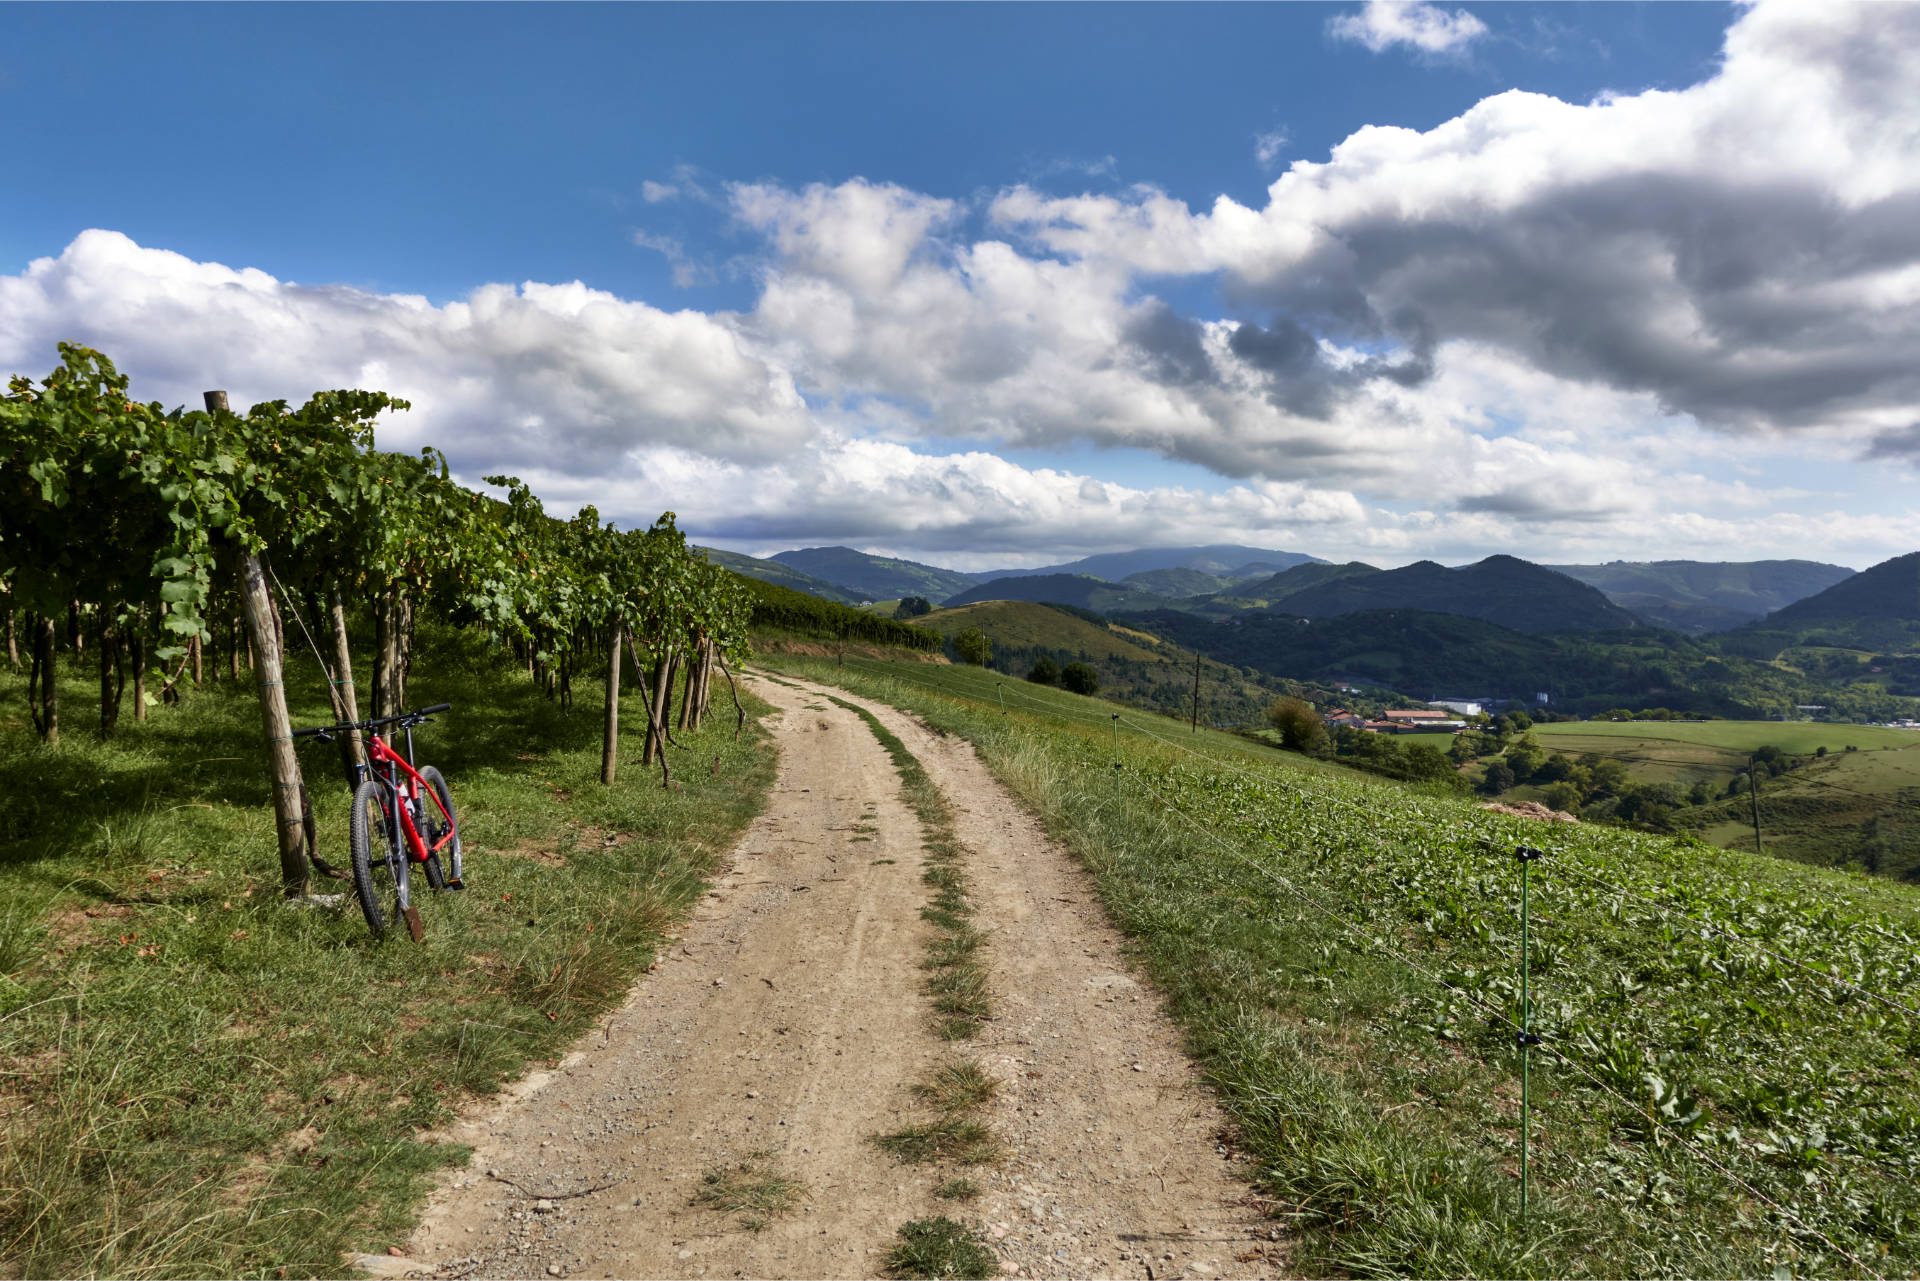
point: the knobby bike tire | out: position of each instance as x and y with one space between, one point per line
444 868
369 843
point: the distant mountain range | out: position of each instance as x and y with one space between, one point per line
1514 593
878 577
1706 596
1225 560
772 571
1875 609
1221 580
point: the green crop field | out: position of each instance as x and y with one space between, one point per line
1727 1084
1796 737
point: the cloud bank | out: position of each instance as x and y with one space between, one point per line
1538 325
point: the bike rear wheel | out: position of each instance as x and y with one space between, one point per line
379 867
443 866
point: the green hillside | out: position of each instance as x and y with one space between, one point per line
1177 582
1066 589
1430 655
782 610
1265 592
1876 609
772 571
877 577
1028 625
1135 667
1721 1033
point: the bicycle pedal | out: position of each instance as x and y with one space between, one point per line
455 883
417 930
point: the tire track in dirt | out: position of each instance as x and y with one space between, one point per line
788 1018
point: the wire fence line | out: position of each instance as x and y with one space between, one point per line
1374 942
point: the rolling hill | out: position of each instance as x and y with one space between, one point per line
769 571
1706 596
1017 625
1265 592
1500 589
1875 609
1067 589
877 577
1176 583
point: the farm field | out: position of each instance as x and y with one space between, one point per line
1859 804
1727 1082
1796 737
204 1081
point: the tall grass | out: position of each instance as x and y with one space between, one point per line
202 1080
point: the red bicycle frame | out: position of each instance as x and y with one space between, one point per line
378 752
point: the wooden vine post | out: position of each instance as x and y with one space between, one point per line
610 744
267 668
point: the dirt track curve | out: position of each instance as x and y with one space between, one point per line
787 1019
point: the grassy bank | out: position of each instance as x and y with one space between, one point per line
1343 955
203 1081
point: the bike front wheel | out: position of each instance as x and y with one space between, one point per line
379 865
443 866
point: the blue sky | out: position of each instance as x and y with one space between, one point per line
983 283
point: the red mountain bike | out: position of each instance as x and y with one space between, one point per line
401 816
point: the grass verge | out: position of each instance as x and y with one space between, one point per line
755 1190
1333 947
204 1081
940 1248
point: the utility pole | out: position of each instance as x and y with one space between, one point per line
1753 790
1195 728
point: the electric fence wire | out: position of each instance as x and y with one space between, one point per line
1500 1016
1563 859
1560 856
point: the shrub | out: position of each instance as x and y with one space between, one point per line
1498 779
974 647
1301 729
1045 672
1080 678
912 607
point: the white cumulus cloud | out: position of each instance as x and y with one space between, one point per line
1382 24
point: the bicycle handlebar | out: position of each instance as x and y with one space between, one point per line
411 718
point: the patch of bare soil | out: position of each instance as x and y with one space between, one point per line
1529 809
785 1027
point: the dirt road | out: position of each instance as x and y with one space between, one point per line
787 1020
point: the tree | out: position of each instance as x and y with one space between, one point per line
1525 758
1499 778
1563 796
912 607
1080 678
1301 729
974 647
1045 672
